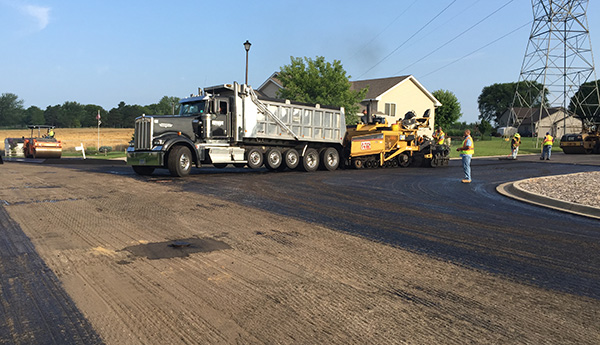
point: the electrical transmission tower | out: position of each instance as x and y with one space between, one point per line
558 71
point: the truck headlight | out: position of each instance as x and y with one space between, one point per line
158 142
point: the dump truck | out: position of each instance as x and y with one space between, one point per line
376 143
40 145
230 124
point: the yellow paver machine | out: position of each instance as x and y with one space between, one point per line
378 144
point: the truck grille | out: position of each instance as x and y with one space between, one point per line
143 133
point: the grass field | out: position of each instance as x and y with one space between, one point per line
501 147
117 138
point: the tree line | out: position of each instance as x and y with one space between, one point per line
76 115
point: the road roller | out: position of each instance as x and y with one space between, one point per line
585 142
42 145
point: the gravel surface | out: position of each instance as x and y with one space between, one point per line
580 188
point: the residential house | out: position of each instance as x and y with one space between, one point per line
394 97
539 121
270 87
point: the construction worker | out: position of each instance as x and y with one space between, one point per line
466 153
514 145
439 136
547 147
51 133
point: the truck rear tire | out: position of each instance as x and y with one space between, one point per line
330 159
180 161
255 159
143 170
273 159
291 159
310 160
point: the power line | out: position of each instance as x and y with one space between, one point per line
382 31
478 49
455 37
403 43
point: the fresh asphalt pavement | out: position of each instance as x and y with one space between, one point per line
429 211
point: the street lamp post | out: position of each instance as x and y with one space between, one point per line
247 45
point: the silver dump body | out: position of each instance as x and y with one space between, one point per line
274 119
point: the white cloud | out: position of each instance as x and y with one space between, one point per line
40 14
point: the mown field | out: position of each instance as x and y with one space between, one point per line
117 138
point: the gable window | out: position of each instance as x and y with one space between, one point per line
390 109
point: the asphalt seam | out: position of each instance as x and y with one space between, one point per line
514 191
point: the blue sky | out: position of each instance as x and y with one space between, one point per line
104 52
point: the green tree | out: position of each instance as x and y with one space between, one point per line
317 81
449 112
90 113
124 115
585 102
71 115
52 114
495 99
34 116
11 109
484 127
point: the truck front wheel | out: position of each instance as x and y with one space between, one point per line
180 161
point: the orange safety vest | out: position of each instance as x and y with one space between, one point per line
470 149
548 140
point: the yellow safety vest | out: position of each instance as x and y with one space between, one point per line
548 140
470 149
440 136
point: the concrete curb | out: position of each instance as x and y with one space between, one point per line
514 191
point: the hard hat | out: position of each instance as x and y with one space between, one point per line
517 135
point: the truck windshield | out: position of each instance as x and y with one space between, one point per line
192 108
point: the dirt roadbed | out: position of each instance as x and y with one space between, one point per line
147 263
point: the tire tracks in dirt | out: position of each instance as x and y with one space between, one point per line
282 281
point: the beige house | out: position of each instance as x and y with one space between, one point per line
538 122
394 97
270 87
391 97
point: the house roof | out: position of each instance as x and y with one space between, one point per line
379 87
527 116
272 79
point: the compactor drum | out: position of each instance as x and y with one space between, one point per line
581 143
42 146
